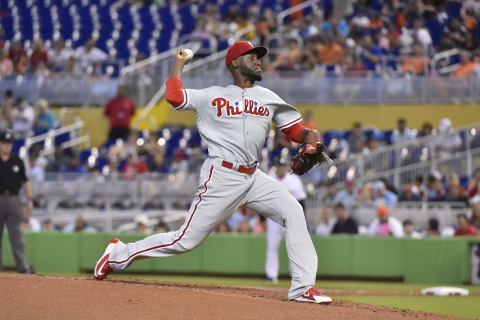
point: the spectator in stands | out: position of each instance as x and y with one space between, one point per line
6 65
243 25
360 21
134 167
474 184
59 162
457 32
416 63
36 171
45 118
330 54
335 27
432 228
466 68
72 68
324 228
345 223
382 196
80 225
385 225
347 196
6 111
39 54
402 133
464 228
471 5
421 34
16 53
89 54
179 164
158 163
289 59
22 119
357 139
328 198
370 53
426 130
59 55
409 231
475 204
435 190
74 164
48 225
411 192
448 141
141 224
455 193
120 111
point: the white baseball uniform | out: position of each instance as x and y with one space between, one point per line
275 231
234 123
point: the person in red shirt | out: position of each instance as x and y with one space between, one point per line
464 228
120 111
38 55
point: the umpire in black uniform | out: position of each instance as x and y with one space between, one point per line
12 210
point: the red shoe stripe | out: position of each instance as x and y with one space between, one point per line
181 236
101 263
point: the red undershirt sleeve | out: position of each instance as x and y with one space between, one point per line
174 93
294 132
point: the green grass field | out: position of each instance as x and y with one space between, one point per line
466 307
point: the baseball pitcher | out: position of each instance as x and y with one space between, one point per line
234 121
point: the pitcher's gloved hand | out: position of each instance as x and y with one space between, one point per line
308 156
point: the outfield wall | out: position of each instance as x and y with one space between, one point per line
414 260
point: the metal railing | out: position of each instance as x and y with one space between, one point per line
456 151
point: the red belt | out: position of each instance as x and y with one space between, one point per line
241 169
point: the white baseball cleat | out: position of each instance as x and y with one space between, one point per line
314 296
102 268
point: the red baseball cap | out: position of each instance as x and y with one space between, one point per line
243 47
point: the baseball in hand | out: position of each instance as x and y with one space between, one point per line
188 53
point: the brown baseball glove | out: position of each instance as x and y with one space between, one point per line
308 156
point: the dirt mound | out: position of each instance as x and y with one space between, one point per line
62 297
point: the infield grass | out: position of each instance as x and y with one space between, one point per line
465 307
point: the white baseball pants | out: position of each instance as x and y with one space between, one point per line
221 191
275 233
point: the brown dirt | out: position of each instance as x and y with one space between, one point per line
62 297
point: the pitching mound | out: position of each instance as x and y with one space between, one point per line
61 297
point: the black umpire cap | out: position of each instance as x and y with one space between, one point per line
6 136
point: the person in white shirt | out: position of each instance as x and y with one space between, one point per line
22 119
402 133
385 225
59 55
409 231
89 54
276 232
325 227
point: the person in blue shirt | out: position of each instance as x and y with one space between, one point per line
45 119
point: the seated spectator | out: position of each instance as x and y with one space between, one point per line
134 167
434 189
37 172
432 228
17 52
89 54
330 54
59 55
409 231
74 165
455 193
6 65
385 225
345 223
383 197
416 63
22 119
179 163
347 196
357 139
120 111
45 118
158 163
329 195
402 133
448 142
457 32
324 228
464 228
59 161
474 184
334 27
467 66
6 111
422 34
338 146
411 192
475 204
289 59
141 224
72 68
80 225
39 54
371 53
426 130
